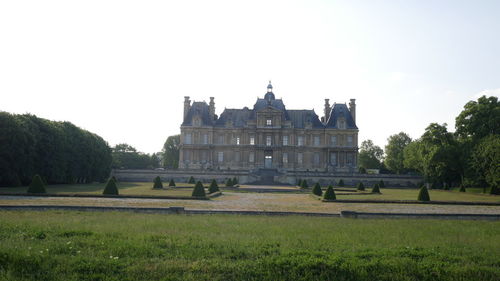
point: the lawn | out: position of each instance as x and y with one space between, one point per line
130 246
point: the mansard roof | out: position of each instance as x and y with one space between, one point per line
198 109
263 103
239 117
340 110
300 118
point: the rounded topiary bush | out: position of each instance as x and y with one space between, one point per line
462 188
330 194
229 182
360 186
381 184
213 187
36 185
157 183
110 188
191 179
341 183
317 189
199 190
423 194
171 183
304 184
376 188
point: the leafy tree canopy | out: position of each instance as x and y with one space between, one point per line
370 155
394 155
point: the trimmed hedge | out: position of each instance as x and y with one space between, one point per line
171 183
299 183
199 190
235 181
423 194
304 184
330 193
213 187
341 183
36 185
191 180
376 188
110 188
157 183
360 186
317 189
229 182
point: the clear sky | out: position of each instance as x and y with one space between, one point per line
121 68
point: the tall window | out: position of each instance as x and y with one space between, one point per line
333 159
285 157
316 158
252 140
268 140
237 156
187 156
251 157
341 123
269 122
221 139
300 141
285 140
237 140
204 157
333 140
349 160
220 156
188 138
300 157
316 140
349 140
205 139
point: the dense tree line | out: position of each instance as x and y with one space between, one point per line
127 157
59 152
470 156
170 152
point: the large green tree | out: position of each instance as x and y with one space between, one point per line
126 156
485 160
170 152
479 119
394 152
370 155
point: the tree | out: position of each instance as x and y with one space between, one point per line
304 184
299 182
191 179
213 186
360 186
423 194
341 183
36 185
126 156
370 155
235 181
486 160
171 183
479 119
394 155
110 188
229 182
330 193
462 188
170 152
376 188
317 189
381 184
199 190
157 183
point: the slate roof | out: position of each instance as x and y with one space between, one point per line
201 109
299 118
239 117
339 110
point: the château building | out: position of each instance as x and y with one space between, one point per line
269 136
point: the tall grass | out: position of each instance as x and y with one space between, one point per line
128 246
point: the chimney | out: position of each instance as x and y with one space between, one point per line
352 109
211 109
187 106
327 110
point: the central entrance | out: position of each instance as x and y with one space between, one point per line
268 159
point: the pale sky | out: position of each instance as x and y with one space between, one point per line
120 69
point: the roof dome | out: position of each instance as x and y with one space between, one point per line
269 96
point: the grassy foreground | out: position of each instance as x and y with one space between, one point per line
129 246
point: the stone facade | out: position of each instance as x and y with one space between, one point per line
269 136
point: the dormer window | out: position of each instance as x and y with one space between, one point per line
269 122
341 123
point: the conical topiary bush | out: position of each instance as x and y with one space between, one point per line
330 193
360 186
317 189
423 194
191 180
157 183
199 190
213 187
341 183
36 185
235 181
376 188
304 184
114 178
462 188
111 188
381 184
171 183
299 182
229 182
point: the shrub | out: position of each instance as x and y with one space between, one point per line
229 182
157 183
360 186
304 184
111 188
376 188
462 188
36 185
191 180
199 190
114 178
171 183
213 187
341 183
235 181
299 182
423 194
317 189
495 190
381 184
330 193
